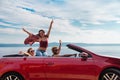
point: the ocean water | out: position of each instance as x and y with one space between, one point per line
113 51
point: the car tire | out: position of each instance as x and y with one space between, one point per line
110 74
12 76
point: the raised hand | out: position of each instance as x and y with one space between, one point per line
52 21
27 32
23 29
60 41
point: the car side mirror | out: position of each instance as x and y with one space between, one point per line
84 55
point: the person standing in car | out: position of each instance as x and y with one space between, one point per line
42 38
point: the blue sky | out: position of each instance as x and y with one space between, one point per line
81 21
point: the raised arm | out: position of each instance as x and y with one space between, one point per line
48 33
27 32
60 43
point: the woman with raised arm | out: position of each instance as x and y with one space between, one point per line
56 51
42 38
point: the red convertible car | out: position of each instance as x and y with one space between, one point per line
85 66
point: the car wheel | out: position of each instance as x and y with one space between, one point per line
110 74
12 76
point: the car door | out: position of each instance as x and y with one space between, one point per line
64 68
35 68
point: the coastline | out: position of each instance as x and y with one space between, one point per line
55 44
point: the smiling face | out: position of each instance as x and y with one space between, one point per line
31 51
42 33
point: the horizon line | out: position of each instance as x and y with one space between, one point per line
65 43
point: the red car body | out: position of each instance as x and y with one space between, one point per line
92 67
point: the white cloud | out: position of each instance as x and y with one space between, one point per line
10 31
72 34
100 36
87 12
4 24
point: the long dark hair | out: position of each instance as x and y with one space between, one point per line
40 31
28 51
